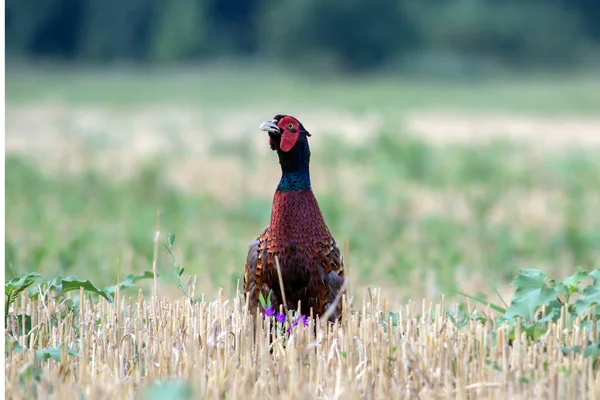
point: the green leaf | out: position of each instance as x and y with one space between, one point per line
16 285
535 330
54 353
28 373
592 350
528 279
8 341
459 321
128 282
171 239
552 312
527 304
485 303
595 275
71 283
394 317
20 319
532 293
591 297
570 349
52 284
181 271
570 284
261 299
168 390
560 287
588 325
575 279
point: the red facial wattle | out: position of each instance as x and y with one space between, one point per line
289 135
288 140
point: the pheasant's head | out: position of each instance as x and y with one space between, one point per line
285 132
289 138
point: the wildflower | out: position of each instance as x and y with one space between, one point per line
269 311
280 317
303 319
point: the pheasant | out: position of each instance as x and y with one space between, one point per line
311 265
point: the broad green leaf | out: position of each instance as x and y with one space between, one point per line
52 284
168 390
591 297
570 349
128 282
595 275
592 350
535 330
552 311
588 325
532 293
54 353
527 304
484 302
71 283
16 285
560 287
572 282
527 279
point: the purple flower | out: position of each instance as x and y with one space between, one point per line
269 311
280 317
303 319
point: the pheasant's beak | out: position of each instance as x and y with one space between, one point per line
270 126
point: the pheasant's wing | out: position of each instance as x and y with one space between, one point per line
249 282
331 261
254 271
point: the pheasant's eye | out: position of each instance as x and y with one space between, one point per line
290 125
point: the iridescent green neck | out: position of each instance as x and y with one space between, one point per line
294 168
296 180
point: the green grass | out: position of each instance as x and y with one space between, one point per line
420 217
479 217
229 86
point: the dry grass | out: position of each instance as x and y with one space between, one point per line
126 346
546 131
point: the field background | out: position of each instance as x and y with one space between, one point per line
453 142
434 186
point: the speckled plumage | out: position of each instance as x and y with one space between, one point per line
310 260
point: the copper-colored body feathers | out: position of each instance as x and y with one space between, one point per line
309 258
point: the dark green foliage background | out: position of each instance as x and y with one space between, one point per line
453 36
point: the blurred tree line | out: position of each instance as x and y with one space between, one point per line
349 35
